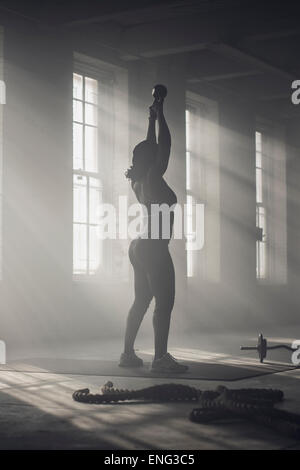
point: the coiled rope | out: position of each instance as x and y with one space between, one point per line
215 405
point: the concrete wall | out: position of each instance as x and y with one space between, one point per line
37 212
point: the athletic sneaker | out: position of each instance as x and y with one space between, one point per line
130 360
168 364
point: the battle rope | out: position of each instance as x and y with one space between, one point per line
252 404
159 393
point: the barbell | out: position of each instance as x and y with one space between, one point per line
262 347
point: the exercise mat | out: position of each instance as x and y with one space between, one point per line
202 370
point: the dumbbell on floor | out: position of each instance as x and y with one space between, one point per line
262 347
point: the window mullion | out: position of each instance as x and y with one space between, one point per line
88 225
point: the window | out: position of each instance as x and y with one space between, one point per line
189 197
2 102
202 185
260 211
270 203
87 183
100 157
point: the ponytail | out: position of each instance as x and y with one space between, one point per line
132 174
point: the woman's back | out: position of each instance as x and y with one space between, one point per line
153 189
156 191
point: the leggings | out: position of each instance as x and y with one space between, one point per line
154 277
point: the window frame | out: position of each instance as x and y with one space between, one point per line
260 203
114 78
204 185
274 194
106 79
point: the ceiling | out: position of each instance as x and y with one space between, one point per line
246 49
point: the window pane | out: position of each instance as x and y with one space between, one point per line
91 161
261 245
258 160
189 214
95 249
262 219
91 90
189 235
77 146
262 259
187 116
258 141
80 199
258 185
95 200
77 111
188 170
77 86
188 130
79 249
91 115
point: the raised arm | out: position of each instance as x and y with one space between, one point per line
164 141
151 133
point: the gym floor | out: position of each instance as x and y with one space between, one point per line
37 410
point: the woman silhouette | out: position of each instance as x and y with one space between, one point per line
154 274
